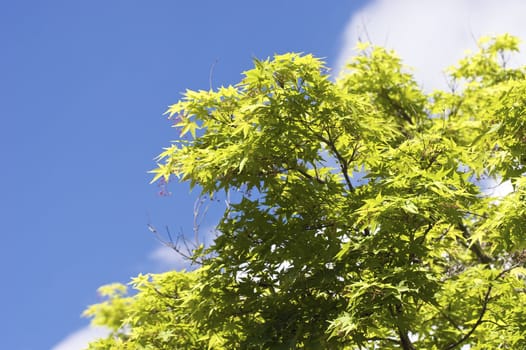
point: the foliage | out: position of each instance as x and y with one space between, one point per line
361 221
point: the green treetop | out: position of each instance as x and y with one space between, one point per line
359 221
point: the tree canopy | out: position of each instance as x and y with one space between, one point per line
361 218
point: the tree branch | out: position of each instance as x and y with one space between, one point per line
474 246
343 163
307 175
396 106
483 310
405 342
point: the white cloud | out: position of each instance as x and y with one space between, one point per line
432 35
79 339
168 259
496 188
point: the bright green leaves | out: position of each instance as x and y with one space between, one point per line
488 65
487 112
112 290
110 313
163 171
157 316
358 221
380 75
505 226
280 119
479 306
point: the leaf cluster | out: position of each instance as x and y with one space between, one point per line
360 222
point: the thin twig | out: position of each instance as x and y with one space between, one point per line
212 72
483 310
343 163
485 303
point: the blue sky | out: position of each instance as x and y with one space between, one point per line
83 86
